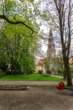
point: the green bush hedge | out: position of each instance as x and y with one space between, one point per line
61 70
1 73
19 72
40 71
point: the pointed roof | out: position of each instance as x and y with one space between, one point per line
42 61
50 36
50 32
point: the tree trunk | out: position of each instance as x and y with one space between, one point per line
68 73
65 74
69 79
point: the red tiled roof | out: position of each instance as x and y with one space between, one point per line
42 61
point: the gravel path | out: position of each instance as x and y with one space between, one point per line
28 83
36 98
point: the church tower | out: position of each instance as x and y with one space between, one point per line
51 53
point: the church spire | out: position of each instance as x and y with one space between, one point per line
50 30
51 53
51 45
50 39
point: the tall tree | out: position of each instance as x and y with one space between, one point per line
64 14
19 46
59 13
19 41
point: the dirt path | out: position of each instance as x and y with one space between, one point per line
28 83
36 98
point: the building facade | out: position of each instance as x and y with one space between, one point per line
54 62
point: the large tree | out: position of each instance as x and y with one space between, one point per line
18 47
64 15
19 41
59 16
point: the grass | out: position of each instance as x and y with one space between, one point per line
60 74
71 87
30 77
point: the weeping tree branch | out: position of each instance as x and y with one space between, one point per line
12 22
15 22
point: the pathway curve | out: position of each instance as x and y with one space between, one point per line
57 76
28 83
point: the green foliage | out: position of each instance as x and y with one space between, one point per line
1 73
45 16
61 70
71 69
40 71
19 72
48 72
47 66
23 10
50 2
31 0
18 47
3 66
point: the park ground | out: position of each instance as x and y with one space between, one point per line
39 95
36 98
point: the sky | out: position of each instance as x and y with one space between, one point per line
44 28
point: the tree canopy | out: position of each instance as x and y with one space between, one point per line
18 42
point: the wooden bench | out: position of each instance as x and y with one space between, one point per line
13 87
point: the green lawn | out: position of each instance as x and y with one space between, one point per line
31 77
60 74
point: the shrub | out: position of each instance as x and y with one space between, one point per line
61 70
40 71
71 69
3 66
31 71
19 72
1 73
48 72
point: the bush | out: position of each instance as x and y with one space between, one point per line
40 71
1 73
19 72
48 72
61 70
31 71
71 69
3 66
